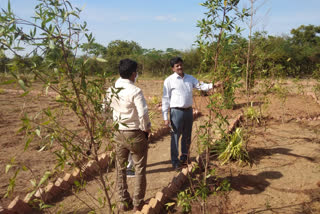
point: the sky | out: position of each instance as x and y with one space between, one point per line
162 24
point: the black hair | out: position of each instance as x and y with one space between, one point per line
127 67
175 60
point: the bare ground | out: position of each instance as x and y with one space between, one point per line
284 149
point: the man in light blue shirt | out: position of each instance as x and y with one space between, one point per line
177 101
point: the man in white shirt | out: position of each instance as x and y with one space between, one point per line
131 112
177 101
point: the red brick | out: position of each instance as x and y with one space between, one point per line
6 211
103 160
91 168
176 182
146 209
161 198
42 195
173 188
19 206
62 184
39 193
52 190
155 205
185 171
76 173
28 198
167 192
71 178
181 178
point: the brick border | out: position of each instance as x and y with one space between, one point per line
156 203
53 190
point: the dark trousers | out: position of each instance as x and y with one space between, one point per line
181 121
136 143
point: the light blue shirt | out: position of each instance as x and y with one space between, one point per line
177 92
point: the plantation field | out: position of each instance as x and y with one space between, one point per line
284 147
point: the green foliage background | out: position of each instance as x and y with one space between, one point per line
295 55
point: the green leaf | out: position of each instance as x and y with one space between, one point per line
77 183
42 148
38 133
8 166
51 44
85 62
101 60
9 6
8 82
33 182
29 195
46 206
47 174
28 143
225 3
22 85
25 93
170 204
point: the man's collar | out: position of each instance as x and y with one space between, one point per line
126 80
177 75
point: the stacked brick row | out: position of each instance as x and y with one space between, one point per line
53 190
157 203
313 95
317 117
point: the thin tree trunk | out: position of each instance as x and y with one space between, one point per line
249 53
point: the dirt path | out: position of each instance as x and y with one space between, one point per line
159 174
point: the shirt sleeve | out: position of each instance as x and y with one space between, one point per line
201 86
166 100
142 109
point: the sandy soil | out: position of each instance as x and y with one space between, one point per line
284 150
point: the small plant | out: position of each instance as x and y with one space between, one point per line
155 100
184 200
267 204
282 93
300 86
56 33
235 149
169 206
252 114
224 186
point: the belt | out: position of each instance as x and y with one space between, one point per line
182 109
128 130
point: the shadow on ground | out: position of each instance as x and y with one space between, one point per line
253 184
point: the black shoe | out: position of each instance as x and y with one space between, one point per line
138 208
130 173
184 162
176 166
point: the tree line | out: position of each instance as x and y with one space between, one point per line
294 55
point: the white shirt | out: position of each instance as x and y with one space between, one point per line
129 106
177 92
